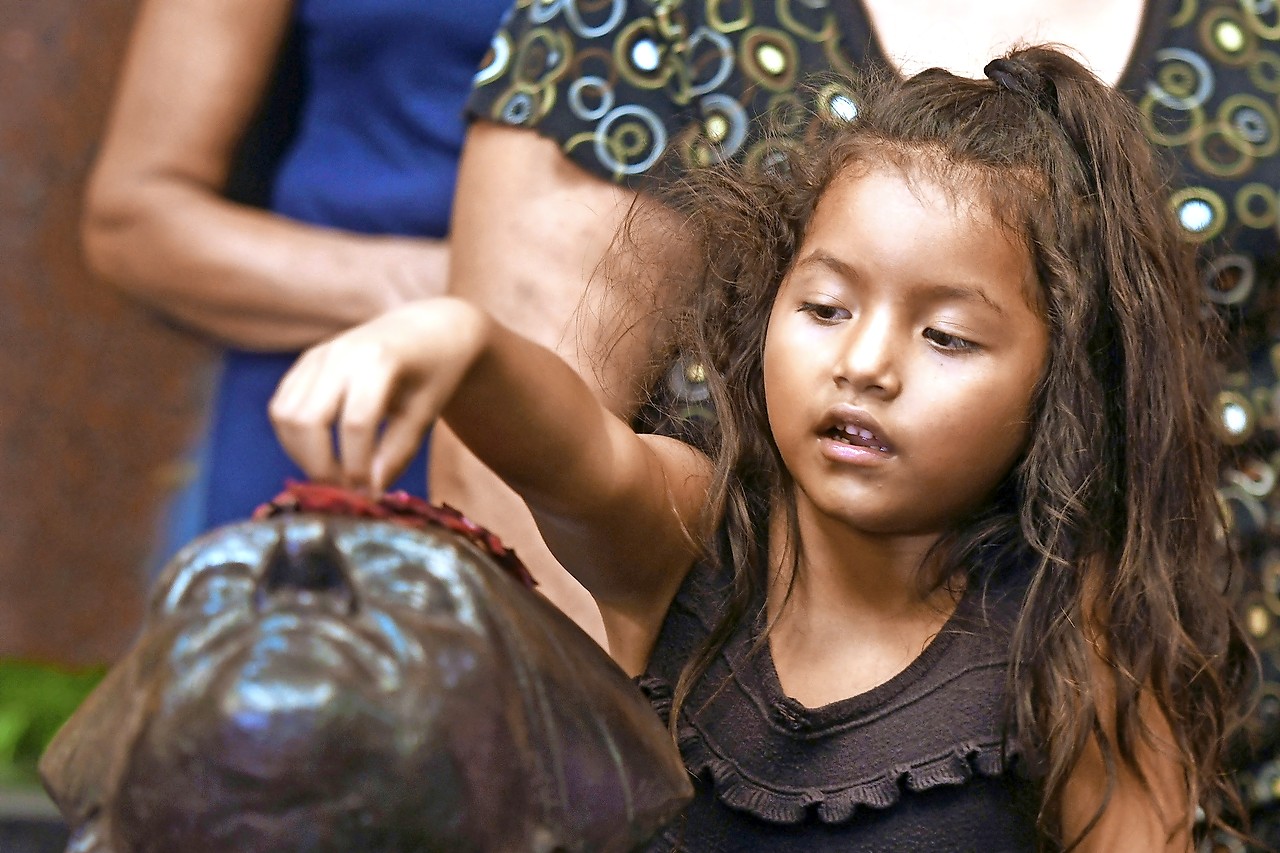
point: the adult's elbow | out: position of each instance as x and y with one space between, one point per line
110 227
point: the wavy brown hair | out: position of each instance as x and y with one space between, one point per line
1111 512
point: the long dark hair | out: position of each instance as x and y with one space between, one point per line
1111 509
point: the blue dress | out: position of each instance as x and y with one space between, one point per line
380 87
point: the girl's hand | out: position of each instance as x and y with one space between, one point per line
378 386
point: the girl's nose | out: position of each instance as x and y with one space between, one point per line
868 359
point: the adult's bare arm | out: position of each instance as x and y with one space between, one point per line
529 232
157 226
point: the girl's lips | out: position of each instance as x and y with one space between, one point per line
839 449
859 436
854 428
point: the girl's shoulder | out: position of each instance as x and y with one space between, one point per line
940 723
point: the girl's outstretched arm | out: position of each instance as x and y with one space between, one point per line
618 510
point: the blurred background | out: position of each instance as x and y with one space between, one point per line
98 397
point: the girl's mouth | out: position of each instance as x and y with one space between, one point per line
858 437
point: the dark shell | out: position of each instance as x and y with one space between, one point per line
319 683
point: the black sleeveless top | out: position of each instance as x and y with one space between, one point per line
918 763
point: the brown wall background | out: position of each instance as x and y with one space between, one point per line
98 398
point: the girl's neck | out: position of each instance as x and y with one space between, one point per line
852 612
845 572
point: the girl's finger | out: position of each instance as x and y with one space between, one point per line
401 438
364 408
303 410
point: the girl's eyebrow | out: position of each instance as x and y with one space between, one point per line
935 290
830 262
964 294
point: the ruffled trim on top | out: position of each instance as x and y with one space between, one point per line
835 805
658 692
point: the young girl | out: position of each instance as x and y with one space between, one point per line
946 574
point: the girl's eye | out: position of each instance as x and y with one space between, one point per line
824 313
947 341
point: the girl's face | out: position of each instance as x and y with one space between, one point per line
901 355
